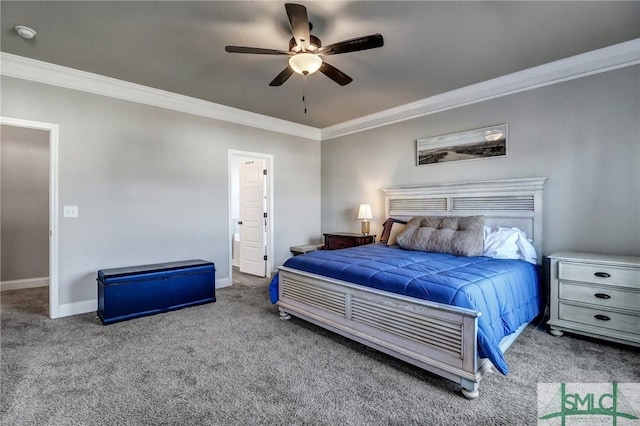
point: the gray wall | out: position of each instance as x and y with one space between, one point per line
24 228
151 184
584 135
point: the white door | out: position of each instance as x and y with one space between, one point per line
252 218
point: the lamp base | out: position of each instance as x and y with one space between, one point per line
366 227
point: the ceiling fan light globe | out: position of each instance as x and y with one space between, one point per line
305 63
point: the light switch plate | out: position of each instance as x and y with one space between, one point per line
70 211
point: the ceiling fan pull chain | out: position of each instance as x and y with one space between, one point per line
304 93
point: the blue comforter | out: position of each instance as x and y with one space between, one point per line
506 292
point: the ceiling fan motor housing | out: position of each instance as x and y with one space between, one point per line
314 44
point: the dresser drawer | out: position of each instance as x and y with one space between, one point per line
342 240
600 274
600 318
337 242
600 295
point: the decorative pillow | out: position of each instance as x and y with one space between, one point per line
396 229
386 228
460 236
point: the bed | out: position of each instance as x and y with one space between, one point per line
454 342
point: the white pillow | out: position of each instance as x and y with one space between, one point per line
527 251
500 243
508 243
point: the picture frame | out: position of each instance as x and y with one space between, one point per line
486 142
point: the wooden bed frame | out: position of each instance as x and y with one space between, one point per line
436 337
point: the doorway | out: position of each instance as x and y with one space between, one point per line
252 240
23 128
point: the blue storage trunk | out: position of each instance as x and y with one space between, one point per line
125 293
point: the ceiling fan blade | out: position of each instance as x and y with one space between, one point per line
299 22
254 50
353 45
335 74
282 77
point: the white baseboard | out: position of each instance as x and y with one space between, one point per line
223 282
26 283
77 308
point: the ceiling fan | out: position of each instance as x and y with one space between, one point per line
306 51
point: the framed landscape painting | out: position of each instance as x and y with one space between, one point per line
469 145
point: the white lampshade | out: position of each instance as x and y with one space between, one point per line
305 63
365 212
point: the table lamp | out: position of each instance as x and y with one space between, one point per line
365 214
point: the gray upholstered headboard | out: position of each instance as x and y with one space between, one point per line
509 203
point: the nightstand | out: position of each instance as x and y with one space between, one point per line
339 240
307 248
595 295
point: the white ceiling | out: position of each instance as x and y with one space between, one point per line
430 47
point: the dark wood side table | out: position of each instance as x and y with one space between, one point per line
339 240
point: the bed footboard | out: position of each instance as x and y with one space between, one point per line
439 338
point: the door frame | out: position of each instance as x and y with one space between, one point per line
268 160
53 131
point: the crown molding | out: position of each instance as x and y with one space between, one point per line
578 66
574 67
56 75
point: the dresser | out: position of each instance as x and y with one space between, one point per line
595 295
341 240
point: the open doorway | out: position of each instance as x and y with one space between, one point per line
250 213
29 202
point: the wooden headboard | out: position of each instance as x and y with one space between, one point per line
509 203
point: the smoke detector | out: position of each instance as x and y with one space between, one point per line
25 32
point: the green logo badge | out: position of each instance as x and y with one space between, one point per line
588 403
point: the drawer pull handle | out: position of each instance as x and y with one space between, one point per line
602 296
602 274
602 317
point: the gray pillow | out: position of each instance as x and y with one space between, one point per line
460 236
